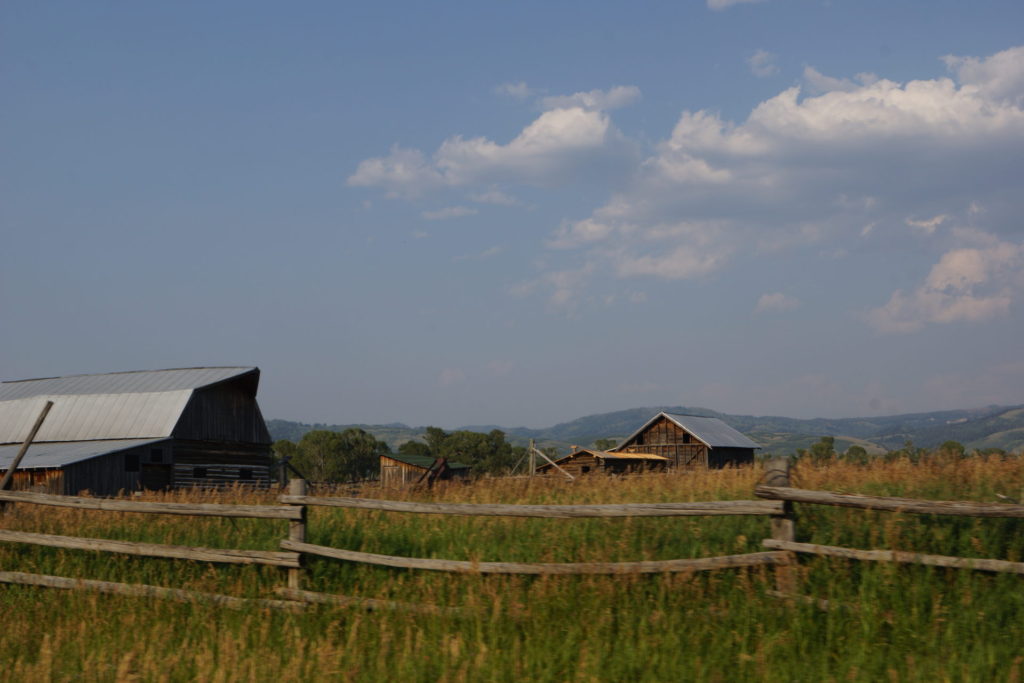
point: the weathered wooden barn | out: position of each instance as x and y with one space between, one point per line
689 441
586 461
398 470
128 431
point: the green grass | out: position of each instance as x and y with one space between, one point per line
888 622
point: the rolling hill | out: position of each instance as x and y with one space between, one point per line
989 427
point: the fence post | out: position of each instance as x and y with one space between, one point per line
297 530
784 525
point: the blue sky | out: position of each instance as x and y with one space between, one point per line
520 213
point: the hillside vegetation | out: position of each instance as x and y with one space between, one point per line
887 622
991 427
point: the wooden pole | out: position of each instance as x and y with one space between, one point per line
297 531
783 525
533 459
9 476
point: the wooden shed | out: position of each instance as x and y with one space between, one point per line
128 431
587 461
689 441
398 471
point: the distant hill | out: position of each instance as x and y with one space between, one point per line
990 427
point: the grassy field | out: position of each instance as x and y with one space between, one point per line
890 622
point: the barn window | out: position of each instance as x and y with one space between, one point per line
131 462
686 437
199 472
584 469
156 455
245 473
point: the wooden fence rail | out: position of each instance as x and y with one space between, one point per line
470 567
180 552
901 556
194 509
693 509
957 508
776 500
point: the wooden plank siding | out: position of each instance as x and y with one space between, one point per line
669 440
225 412
683 449
210 464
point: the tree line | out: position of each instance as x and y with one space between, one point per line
354 454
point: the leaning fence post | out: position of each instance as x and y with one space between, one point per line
297 530
784 525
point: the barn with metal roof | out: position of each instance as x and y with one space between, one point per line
126 431
690 441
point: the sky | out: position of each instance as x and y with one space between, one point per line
474 213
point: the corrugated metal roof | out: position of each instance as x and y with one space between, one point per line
140 382
46 455
712 431
94 416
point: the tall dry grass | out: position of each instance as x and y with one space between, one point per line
898 623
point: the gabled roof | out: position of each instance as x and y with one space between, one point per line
709 430
47 455
120 405
138 382
423 461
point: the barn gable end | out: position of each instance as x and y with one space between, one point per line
690 441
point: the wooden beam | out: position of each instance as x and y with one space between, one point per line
227 556
927 507
9 475
462 566
142 590
694 509
195 509
297 531
900 556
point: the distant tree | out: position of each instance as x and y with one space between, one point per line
952 448
329 456
909 451
856 455
485 453
824 450
414 448
605 444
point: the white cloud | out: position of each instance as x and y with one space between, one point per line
719 5
519 91
999 77
830 168
595 100
549 151
927 226
818 82
966 285
776 302
762 64
404 172
448 212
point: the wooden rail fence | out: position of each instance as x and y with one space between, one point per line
776 501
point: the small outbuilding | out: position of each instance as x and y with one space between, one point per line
398 470
586 461
690 441
127 431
